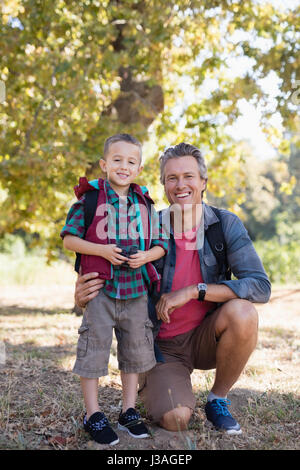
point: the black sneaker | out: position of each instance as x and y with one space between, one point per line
99 429
131 422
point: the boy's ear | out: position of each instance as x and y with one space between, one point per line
102 164
140 169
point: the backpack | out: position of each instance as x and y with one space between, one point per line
214 233
90 206
217 242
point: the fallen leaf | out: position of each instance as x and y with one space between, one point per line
57 440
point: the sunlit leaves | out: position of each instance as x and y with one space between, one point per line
61 60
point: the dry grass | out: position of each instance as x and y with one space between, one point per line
41 405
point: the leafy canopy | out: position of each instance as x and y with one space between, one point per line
77 71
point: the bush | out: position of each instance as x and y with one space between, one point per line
23 266
281 261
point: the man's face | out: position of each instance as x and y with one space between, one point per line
183 183
122 164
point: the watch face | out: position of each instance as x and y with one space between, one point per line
201 287
202 291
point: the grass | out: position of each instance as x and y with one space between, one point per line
40 399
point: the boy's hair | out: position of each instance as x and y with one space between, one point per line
120 138
182 150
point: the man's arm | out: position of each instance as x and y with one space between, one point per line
251 281
172 300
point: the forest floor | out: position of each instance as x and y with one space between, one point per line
40 399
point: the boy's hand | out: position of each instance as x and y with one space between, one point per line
138 260
112 254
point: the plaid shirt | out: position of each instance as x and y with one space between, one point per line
126 283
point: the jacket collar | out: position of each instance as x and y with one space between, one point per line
210 217
85 185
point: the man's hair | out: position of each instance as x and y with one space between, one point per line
182 150
120 138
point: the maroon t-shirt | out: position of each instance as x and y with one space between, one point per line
187 272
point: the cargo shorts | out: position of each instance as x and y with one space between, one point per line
133 330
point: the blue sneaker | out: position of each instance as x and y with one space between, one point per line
218 414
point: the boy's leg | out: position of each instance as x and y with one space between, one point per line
129 418
95 422
129 390
89 389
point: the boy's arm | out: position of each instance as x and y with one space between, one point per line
110 252
78 245
154 253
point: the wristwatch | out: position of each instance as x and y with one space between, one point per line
202 291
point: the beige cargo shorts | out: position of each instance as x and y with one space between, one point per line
133 330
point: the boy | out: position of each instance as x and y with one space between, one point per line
122 303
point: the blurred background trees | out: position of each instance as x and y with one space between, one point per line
77 71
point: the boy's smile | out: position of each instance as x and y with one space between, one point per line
122 165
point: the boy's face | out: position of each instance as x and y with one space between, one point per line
122 165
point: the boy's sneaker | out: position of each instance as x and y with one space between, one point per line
99 429
218 414
131 422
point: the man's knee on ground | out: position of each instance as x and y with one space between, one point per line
176 419
241 315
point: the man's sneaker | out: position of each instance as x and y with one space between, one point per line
99 429
131 422
218 414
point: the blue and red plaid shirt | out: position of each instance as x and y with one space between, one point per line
126 283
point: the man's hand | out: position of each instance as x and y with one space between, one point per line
87 287
172 300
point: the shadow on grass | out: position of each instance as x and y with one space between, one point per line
17 310
41 398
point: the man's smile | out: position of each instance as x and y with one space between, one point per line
183 195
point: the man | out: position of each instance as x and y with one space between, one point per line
207 321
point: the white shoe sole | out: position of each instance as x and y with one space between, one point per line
231 432
114 442
124 428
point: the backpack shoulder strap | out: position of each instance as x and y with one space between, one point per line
217 242
89 207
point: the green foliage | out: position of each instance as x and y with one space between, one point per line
279 260
79 71
20 265
281 254
272 195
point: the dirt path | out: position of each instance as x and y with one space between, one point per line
41 406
